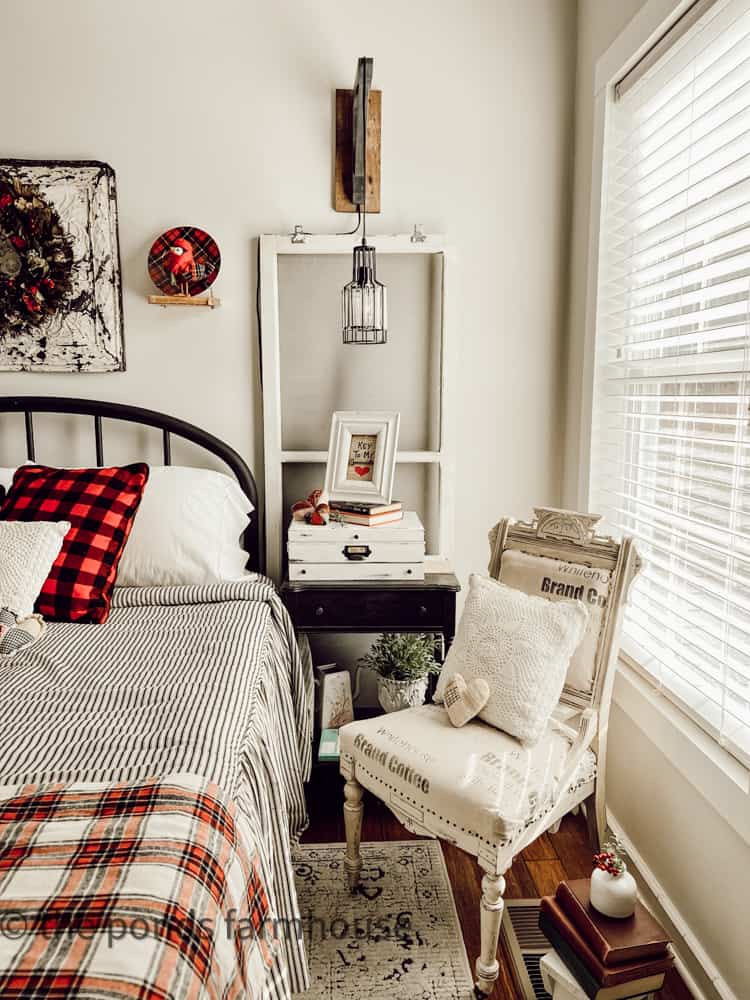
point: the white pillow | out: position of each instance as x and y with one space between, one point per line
6 477
521 645
188 530
27 551
6 480
558 580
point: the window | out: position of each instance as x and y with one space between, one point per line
670 455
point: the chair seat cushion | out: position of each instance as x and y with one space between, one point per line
475 786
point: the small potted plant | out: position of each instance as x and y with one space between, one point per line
613 888
403 662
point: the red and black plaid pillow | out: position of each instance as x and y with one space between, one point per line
100 505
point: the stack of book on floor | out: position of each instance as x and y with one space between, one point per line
611 959
369 515
329 748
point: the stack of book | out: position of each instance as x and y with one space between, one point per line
329 747
369 515
611 959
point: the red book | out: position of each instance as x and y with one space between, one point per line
612 941
616 975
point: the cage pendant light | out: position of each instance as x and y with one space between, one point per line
364 316
363 301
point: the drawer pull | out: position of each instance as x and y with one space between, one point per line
320 610
356 553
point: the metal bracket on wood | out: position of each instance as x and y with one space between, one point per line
417 236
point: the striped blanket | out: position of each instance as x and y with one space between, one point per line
125 890
201 680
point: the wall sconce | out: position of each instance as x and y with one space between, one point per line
364 311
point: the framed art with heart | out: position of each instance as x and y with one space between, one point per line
362 455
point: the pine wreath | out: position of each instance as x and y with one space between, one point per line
36 256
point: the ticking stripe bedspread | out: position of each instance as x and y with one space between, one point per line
148 890
201 680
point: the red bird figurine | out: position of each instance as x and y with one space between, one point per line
182 266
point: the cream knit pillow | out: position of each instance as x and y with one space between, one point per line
27 551
521 645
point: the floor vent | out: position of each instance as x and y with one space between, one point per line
525 944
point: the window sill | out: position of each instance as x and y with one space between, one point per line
715 774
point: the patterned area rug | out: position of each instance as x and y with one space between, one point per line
398 938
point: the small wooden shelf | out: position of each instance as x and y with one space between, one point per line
184 300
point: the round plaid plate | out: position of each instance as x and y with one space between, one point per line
184 261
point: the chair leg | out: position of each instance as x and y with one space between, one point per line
353 810
591 823
491 915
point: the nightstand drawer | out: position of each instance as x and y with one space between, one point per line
364 609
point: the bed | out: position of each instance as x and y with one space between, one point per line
191 706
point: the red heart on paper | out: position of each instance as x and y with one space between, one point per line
361 470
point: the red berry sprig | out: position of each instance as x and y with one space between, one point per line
610 862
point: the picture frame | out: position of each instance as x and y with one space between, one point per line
362 455
335 700
70 319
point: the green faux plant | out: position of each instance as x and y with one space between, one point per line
403 656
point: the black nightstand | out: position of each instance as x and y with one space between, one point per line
427 605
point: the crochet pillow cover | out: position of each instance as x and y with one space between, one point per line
521 645
27 554
100 505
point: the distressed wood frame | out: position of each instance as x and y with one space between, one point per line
276 457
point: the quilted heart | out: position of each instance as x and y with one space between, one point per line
465 700
361 470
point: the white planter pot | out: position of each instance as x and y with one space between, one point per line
613 895
394 695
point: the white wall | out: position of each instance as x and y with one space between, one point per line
686 813
219 115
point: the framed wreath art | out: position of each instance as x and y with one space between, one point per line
60 291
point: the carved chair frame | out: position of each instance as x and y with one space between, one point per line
571 537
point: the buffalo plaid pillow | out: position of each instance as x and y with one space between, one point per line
100 505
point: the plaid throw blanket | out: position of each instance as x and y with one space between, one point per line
147 890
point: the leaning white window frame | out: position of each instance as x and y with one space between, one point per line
276 457
641 37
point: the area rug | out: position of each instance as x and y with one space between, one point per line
397 938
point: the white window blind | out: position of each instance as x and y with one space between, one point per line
670 455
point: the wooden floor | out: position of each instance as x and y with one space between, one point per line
536 872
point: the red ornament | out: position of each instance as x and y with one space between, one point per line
18 242
48 283
5 201
314 510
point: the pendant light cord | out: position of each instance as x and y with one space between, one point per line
365 102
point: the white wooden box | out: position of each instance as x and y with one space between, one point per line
338 551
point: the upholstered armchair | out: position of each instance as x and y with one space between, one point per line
476 786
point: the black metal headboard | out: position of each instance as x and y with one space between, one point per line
99 409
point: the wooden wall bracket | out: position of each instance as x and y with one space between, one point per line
207 301
342 184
